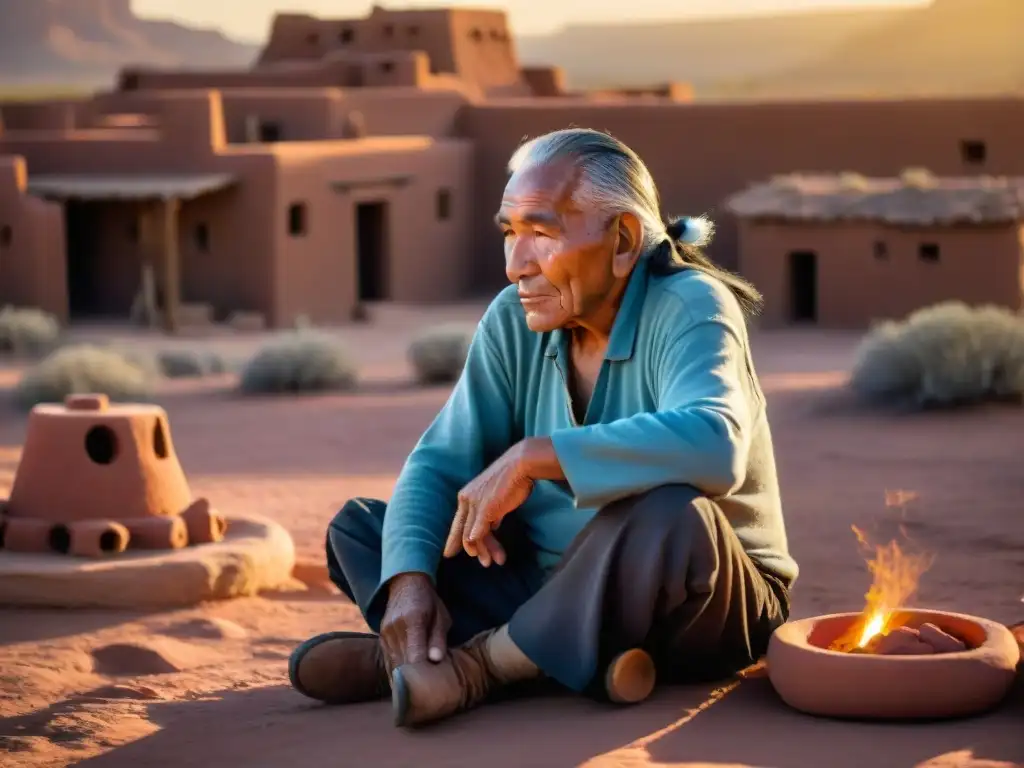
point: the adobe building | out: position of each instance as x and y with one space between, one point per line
361 160
844 251
239 227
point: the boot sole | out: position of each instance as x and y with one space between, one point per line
630 677
297 655
399 698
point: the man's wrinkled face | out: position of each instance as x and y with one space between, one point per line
561 258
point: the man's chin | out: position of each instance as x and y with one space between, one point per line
538 322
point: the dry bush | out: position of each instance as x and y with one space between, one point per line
918 178
944 355
853 182
438 354
84 369
184 364
26 332
300 361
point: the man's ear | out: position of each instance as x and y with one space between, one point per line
628 243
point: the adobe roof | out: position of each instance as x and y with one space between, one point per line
126 186
916 198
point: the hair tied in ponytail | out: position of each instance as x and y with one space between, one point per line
689 230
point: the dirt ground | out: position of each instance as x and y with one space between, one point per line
207 686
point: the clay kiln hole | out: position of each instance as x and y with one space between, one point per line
109 541
60 539
160 440
101 444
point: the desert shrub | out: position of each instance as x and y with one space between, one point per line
300 361
26 332
183 364
918 178
943 355
853 182
438 354
83 369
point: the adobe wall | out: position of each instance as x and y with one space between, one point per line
474 44
312 115
338 70
61 114
190 134
303 114
700 153
236 269
483 48
32 264
427 257
858 284
232 266
545 82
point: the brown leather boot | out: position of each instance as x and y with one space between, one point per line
340 668
427 691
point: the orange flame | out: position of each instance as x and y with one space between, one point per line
895 575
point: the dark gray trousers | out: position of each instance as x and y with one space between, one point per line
662 571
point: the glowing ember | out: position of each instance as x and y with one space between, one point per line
895 576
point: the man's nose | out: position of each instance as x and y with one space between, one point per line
518 261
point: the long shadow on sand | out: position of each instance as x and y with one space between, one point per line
35 625
743 723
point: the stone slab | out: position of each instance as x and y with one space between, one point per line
255 555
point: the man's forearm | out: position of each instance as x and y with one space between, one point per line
539 461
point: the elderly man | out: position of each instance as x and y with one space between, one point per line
597 502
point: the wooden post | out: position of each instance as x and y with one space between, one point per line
149 242
171 262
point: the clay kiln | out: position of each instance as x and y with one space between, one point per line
103 482
96 479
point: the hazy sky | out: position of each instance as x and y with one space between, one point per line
526 15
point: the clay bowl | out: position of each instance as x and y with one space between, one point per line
815 680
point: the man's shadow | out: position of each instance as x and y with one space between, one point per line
273 727
739 723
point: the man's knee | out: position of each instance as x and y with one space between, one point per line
667 506
357 518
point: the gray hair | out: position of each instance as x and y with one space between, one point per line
615 180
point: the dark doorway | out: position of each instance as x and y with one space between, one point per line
82 228
371 250
803 286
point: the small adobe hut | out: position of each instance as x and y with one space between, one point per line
844 250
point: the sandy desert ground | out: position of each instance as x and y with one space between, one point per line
207 686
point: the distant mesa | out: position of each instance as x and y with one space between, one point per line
951 47
85 42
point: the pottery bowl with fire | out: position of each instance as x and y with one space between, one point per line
917 664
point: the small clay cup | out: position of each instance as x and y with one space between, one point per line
813 679
204 524
157 532
97 538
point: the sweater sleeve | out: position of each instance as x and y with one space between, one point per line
473 428
700 434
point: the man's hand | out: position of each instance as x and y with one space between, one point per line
500 489
416 622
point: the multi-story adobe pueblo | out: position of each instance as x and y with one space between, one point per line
361 160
